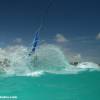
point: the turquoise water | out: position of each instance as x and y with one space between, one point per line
51 77
83 86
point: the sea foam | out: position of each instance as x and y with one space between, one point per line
14 60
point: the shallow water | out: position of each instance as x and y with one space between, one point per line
83 86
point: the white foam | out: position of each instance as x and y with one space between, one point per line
35 74
50 59
88 65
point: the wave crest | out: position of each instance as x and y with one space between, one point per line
14 60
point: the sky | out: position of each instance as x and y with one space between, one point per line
74 25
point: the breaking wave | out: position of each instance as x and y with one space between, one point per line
14 60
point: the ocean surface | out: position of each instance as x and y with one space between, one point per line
83 86
47 75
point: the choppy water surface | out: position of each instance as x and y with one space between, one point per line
51 77
14 60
